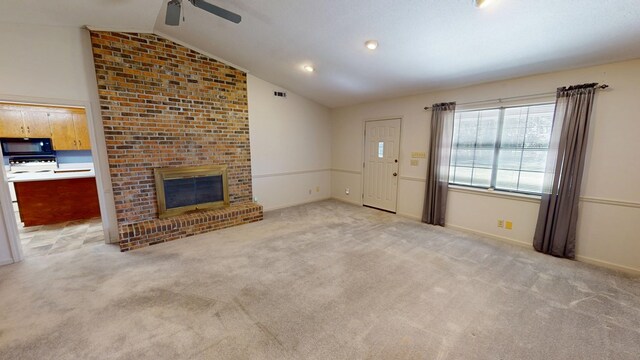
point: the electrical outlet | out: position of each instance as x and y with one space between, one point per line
500 223
317 188
347 191
508 225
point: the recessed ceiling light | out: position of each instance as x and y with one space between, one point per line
371 44
481 3
308 68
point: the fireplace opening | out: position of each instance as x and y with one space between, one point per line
184 189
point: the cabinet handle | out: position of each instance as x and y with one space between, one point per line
28 130
22 129
79 143
74 143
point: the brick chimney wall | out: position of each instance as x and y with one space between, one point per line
164 105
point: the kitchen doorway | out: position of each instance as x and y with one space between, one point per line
50 173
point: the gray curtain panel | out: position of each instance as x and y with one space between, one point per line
556 228
435 201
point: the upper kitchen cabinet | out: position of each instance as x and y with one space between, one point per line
69 130
17 123
67 127
82 131
63 134
36 124
11 123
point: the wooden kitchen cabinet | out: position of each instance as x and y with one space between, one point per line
55 201
82 131
11 123
36 124
16 123
67 127
63 134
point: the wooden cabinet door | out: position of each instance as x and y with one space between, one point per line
82 131
11 124
36 124
62 132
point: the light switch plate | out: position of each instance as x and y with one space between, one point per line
418 154
414 162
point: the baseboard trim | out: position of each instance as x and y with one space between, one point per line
491 236
6 262
295 204
347 201
608 265
584 259
410 216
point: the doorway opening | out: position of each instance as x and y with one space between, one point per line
381 155
50 171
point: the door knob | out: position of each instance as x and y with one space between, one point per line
395 174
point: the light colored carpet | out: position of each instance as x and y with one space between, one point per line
320 281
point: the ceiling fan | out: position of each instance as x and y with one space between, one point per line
175 6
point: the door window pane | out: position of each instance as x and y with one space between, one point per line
381 149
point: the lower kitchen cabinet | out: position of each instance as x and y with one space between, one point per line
56 201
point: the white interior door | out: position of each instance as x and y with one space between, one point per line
382 147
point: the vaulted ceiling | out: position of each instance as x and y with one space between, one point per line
424 44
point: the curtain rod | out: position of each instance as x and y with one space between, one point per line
499 100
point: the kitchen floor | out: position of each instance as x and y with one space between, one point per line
53 239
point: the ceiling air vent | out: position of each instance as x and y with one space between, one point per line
281 94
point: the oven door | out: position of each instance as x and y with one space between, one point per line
31 146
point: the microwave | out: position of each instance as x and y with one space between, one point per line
26 146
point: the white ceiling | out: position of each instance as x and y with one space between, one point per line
424 44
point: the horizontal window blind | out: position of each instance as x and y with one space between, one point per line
505 149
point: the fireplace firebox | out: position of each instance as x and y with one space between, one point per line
185 189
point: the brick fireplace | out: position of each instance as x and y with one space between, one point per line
163 106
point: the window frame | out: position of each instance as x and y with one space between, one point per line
497 147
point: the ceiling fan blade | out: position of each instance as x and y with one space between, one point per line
173 13
215 10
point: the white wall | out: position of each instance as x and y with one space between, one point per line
54 65
609 226
290 147
6 255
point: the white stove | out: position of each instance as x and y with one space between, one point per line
34 164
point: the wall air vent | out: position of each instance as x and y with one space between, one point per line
280 94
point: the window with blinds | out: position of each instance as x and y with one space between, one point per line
504 149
